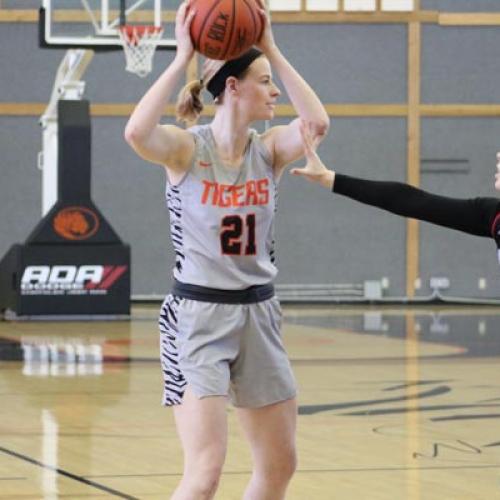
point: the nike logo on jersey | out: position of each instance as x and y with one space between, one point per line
224 195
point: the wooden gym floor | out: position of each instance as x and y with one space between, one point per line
395 404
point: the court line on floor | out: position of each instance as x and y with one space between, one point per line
419 409
307 471
79 435
466 417
67 474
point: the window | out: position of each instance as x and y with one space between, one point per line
347 5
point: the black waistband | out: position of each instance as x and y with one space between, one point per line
256 293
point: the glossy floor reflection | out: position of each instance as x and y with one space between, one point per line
394 404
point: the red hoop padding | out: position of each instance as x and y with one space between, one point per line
135 32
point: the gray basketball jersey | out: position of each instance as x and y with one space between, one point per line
222 219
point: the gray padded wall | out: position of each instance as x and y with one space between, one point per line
460 5
321 238
20 199
31 71
460 65
463 258
349 63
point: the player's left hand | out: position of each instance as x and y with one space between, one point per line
266 41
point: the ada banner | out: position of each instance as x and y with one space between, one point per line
71 280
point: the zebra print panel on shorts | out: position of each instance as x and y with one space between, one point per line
174 381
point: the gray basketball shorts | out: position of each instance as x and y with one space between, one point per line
233 350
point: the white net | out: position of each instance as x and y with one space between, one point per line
139 45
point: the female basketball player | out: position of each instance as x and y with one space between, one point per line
220 327
477 216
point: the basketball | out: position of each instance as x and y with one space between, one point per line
225 29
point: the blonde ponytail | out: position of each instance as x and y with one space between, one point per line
189 102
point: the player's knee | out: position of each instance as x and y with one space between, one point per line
282 468
206 486
204 476
204 483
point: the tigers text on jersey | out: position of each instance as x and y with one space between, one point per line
222 218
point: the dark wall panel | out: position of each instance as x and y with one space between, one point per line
353 63
460 5
461 257
325 238
20 181
31 71
349 63
460 64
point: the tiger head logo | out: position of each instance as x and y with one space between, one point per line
76 223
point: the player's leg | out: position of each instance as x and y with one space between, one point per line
264 392
197 388
202 428
271 433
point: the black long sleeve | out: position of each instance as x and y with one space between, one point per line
474 216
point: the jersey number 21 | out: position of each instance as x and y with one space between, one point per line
237 235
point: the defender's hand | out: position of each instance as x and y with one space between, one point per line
314 170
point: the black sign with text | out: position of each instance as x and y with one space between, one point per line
66 280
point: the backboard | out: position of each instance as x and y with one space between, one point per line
94 24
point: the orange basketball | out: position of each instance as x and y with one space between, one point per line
225 29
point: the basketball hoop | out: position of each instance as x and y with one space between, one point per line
139 44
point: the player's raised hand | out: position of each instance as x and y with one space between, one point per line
183 20
266 41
